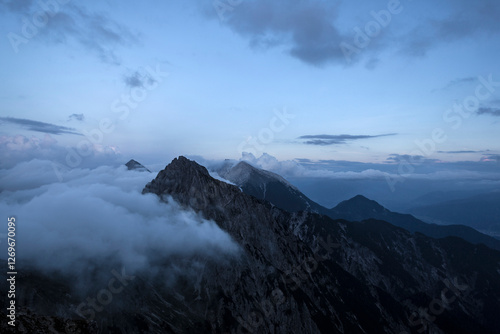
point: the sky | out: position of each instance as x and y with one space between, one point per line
385 83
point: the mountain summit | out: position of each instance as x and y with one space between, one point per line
359 208
134 165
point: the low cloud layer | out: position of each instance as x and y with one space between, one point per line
99 217
18 148
39 126
424 168
324 140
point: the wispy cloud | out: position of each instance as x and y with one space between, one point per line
78 117
457 82
461 152
72 23
40 126
463 19
323 140
138 79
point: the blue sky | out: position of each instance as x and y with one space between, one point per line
216 78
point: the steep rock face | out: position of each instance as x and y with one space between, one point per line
268 186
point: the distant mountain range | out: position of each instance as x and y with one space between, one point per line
481 212
271 187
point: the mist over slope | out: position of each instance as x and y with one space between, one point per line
99 217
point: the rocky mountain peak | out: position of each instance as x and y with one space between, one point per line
186 166
135 165
361 203
190 184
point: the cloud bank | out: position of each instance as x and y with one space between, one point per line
100 218
486 169
18 148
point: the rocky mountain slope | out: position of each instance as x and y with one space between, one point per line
372 275
268 186
294 273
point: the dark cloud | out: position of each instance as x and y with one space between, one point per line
323 140
305 28
78 117
138 79
73 24
312 32
40 126
492 111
